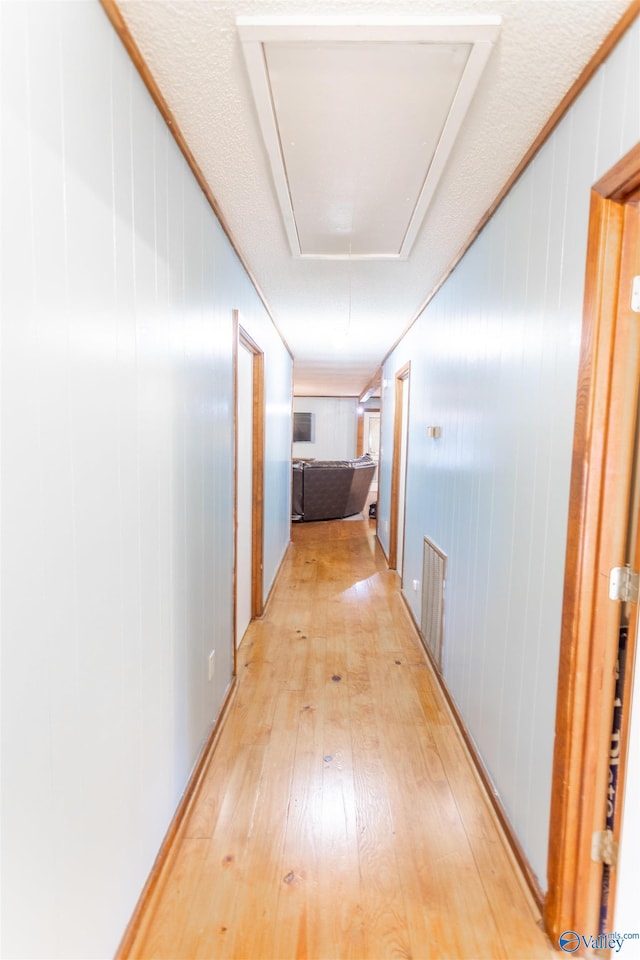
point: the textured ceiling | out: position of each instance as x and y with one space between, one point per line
193 51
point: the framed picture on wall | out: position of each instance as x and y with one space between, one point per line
303 428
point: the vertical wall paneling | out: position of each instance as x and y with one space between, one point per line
118 286
494 361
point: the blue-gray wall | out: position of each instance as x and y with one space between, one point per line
118 287
494 362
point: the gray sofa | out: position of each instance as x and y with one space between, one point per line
330 489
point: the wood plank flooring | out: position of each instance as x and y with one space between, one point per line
339 817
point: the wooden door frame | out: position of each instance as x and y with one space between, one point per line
601 471
360 431
394 515
243 339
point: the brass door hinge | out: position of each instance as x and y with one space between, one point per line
623 585
604 847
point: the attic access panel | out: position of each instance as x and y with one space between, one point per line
359 118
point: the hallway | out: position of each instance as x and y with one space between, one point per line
339 816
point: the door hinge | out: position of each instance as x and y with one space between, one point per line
623 585
604 847
635 294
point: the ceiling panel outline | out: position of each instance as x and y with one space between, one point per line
341 215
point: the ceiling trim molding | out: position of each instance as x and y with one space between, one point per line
374 384
611 40
122 30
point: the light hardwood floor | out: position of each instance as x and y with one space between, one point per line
339 817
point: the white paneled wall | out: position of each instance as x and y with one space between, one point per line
494 362
118 287
335 427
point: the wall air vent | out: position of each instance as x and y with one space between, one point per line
433 578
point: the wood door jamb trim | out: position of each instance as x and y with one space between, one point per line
257 513
235 359
394 518
587 659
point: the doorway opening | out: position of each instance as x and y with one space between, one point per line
369 442
399 468
586 805
249 481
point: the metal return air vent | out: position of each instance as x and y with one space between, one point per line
434 563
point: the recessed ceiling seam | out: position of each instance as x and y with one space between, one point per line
288 103
276 126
